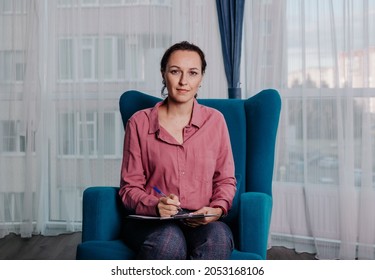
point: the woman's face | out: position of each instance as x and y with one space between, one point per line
183 75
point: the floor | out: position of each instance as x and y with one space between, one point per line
63 247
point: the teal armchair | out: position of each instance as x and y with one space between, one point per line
252 125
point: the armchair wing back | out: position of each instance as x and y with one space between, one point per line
252 125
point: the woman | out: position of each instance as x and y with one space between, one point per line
183 149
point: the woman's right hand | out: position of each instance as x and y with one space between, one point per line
168 205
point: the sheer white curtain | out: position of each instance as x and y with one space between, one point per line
320 55
63 67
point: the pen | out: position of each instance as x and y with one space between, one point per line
163 194
159 191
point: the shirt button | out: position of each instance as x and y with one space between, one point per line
183 172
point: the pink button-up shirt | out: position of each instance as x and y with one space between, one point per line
200 171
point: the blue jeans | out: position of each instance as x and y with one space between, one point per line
172 240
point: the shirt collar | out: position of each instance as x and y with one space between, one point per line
196 119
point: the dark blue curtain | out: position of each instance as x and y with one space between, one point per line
230 14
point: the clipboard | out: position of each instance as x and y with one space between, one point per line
174 217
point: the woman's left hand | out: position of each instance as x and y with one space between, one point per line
205 220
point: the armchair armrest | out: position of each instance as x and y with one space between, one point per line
102 212
254 222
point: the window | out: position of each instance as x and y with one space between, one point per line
9 133
92 60
131 58
87 135
113 134
67 134
109 62
109 134
12 66
89 55
79 134
66 59
11 139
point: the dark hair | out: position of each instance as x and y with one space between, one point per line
182 46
